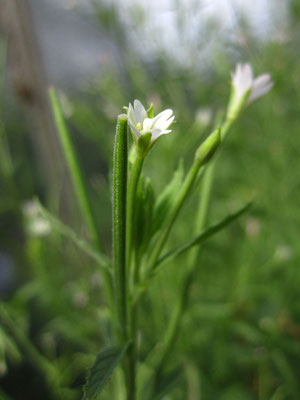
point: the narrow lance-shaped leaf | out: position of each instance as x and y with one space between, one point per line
76 173
102 369
206 234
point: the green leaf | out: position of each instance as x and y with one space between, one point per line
206 234
161 384
166 199
150 111
67 232
102 369
76 172
167 382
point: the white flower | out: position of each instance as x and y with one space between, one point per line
36 224
39 227
141 124
246 88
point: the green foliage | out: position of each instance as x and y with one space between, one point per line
203 236
101 371
66 231
240 335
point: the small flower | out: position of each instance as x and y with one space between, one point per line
283 253
147 130
246 88
35 223
38 226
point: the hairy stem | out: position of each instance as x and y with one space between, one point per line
119 225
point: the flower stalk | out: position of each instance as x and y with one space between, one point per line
202 156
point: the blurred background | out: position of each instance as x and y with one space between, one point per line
241 338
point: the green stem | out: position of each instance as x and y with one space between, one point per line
130 218
131 358
202 156
201 216
131 198
186 187
119 225
126 328
78 179
226 126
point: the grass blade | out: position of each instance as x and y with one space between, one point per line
74 167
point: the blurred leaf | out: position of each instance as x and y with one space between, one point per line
166 199
166 382
76 171
206 234
286 371
8 348
101 371
66 231
248 332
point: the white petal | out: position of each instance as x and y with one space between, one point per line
139 112
242 79
165 132
147 124
135 131
164 124
130 113
163 116
261 86
247 75
155 134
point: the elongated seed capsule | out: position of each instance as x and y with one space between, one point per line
119 222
